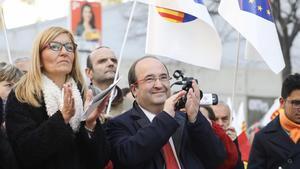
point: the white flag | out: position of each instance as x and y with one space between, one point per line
184 31
254 20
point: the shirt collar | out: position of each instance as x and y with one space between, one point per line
149 115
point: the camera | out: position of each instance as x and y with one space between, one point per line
186 83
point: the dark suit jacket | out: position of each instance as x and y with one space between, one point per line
272 147
136 143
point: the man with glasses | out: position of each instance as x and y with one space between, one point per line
277 146
152 135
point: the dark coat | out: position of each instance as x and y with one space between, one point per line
137 143
42 142
240 164
272 148
1 111
7 157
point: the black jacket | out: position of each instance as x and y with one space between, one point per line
42 142
1 111
272 148
7 157
136 143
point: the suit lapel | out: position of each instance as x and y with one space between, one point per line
178 135
139 116
296 149
142 121
279 138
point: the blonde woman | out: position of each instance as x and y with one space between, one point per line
44 113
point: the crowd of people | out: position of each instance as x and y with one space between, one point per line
43 121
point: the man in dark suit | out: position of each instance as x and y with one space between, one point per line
277 146
152 135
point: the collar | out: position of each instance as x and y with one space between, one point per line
149 115
291 127
53 98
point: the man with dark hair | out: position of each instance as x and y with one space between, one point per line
277 144
101 70
152 135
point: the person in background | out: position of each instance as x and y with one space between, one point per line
45 123
277 144
86 27
127 93
152 135
22 63
101 70
233 159
9 75
223 115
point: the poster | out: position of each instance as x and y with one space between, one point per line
86 23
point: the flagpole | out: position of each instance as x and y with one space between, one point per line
5 35
121 54
235 75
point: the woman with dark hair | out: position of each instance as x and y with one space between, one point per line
86 27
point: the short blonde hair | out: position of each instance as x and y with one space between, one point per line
9 72
29 88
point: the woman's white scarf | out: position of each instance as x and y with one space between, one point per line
54 101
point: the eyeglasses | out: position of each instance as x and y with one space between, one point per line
57 46
295 103
152 79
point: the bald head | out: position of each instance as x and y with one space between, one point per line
222 113
101 67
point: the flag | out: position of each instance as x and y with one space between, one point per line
244 146
240 125
184 31
239 120
254 20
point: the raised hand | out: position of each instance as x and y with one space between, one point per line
88 99
68 109
169 105
90 122
230 131
193 102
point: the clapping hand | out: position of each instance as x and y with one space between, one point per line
193 102
68 109
98 112
169 105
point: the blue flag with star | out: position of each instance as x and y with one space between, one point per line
261 8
